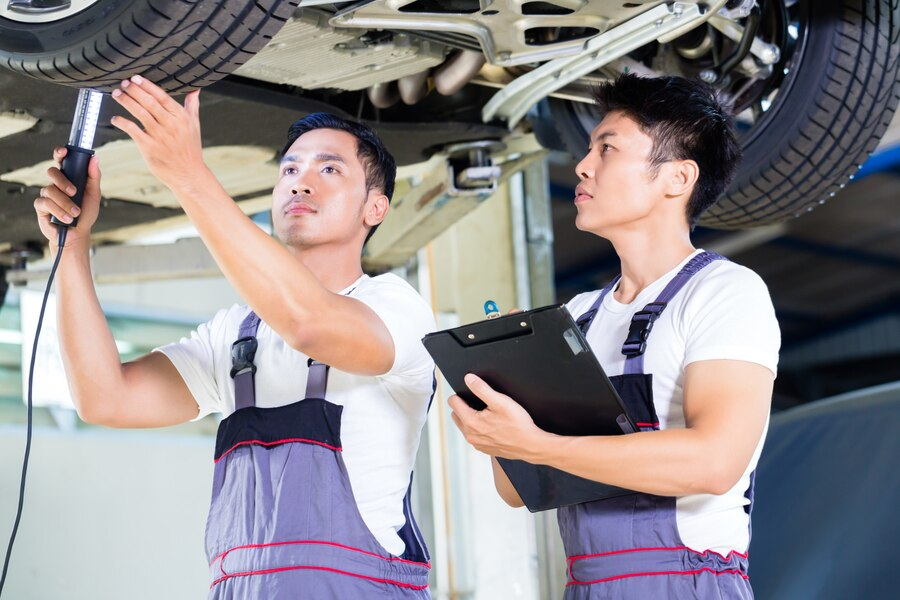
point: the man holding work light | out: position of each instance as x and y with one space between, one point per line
321 378
698 386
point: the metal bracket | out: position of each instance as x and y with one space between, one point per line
183 259
471 167
432 196
663 21
737 9
499 26
768 54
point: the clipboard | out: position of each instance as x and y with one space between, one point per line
540 359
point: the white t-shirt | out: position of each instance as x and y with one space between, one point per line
723 312
383 416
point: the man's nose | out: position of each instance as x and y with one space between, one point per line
583 169
301 185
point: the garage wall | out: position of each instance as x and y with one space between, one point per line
108 514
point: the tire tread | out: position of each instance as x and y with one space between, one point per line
179 44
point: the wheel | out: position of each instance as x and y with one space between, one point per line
807 128
179 44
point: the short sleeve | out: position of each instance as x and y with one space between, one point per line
195 358
408 319
730 316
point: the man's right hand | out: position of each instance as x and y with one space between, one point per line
56 201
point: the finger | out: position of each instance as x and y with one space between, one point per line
59 180
192 104
459 406
130 128
58 197
481 389
92 187
157 93
495 401
138 109
459 424
514 311
45 208
59 153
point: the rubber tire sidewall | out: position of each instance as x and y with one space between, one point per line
783 127
39 40
783 122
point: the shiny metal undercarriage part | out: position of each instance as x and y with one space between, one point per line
404 49
309 53
663 22
510 32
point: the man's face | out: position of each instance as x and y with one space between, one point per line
617 190
321 195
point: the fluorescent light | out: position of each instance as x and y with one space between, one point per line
9 336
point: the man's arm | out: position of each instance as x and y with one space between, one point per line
331 328
148 392
726 404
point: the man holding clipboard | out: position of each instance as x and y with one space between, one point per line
696 342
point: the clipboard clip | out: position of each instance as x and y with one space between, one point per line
491 310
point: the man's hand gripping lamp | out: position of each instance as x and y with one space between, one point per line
80 146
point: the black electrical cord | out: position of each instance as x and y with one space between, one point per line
62 232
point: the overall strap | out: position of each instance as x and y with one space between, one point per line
316 379
243 370
585 320
642 322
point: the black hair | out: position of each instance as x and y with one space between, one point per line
379 165
687 120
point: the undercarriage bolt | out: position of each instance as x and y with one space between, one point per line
769 55
708 75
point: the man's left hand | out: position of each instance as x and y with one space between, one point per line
502 429
169 134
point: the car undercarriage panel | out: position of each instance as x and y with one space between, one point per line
344 59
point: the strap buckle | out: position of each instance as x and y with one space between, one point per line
640 328
243 352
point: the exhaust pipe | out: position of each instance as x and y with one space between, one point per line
456 72
384 95
413 87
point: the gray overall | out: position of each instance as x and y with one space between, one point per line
283 523
629 546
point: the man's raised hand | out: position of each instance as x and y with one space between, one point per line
168 136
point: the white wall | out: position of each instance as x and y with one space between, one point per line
108 514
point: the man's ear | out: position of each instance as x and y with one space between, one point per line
377 207
682 177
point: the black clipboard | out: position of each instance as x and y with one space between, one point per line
540 359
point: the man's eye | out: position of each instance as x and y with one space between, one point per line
327 169
289 170
605 147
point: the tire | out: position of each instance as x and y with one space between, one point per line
822 126
179 44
